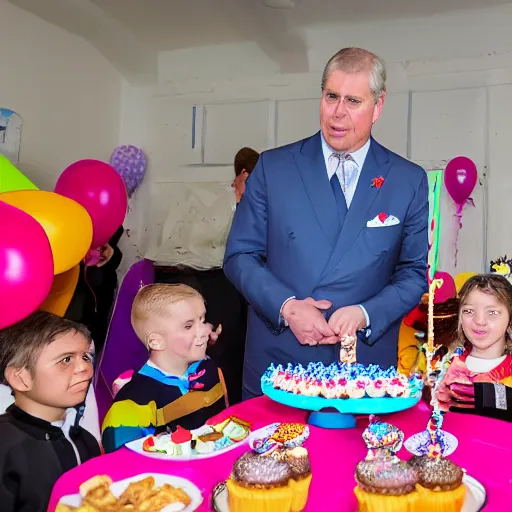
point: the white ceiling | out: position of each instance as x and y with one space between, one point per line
172 24
131 33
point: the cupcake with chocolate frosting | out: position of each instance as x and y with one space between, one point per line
298 462
260 483
440 483
386 484
386 476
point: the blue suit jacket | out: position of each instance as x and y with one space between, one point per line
287 240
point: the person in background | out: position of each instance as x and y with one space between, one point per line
95 293
225 305
47 362
245 161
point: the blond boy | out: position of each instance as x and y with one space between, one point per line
179 384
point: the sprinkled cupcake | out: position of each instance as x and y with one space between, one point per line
376 388
440 483
298 461
357 388
329 389
260 482
386 485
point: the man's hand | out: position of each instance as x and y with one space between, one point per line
346 321
307 322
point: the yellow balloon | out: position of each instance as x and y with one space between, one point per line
67 224
62 291
461 278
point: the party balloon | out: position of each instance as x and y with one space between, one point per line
130 163
101 191
67 224
461 278
62 292
93 257
11 179
460 177
447 290
26 265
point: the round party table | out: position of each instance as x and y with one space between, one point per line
485 451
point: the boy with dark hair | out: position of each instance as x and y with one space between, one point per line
46 360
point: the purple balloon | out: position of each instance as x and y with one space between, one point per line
130 163
460 178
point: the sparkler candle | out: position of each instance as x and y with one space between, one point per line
436 283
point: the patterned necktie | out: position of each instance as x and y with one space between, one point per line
334 164
346 174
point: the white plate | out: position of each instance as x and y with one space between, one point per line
476 497
117 488
136 446
474 502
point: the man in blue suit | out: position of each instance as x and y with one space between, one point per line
330 240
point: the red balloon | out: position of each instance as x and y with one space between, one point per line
460 177
447 291
101 191
26 265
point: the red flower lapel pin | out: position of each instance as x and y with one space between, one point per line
378 182
382 217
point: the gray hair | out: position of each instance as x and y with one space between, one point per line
357 60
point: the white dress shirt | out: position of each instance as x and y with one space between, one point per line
358 158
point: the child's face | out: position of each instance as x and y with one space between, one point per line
63 372
186 333
485 321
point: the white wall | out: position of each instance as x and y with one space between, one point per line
450 87
66 92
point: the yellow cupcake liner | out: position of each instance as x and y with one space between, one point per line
300 489
243 499
441 501
369 502
290 498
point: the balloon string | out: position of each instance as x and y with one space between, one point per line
458 214
92 291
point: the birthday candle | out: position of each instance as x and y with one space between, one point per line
436 283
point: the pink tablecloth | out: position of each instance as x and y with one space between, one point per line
485 451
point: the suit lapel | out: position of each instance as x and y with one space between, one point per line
311 164
376 164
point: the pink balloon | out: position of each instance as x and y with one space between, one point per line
26 265
101 191
447 291
460 178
